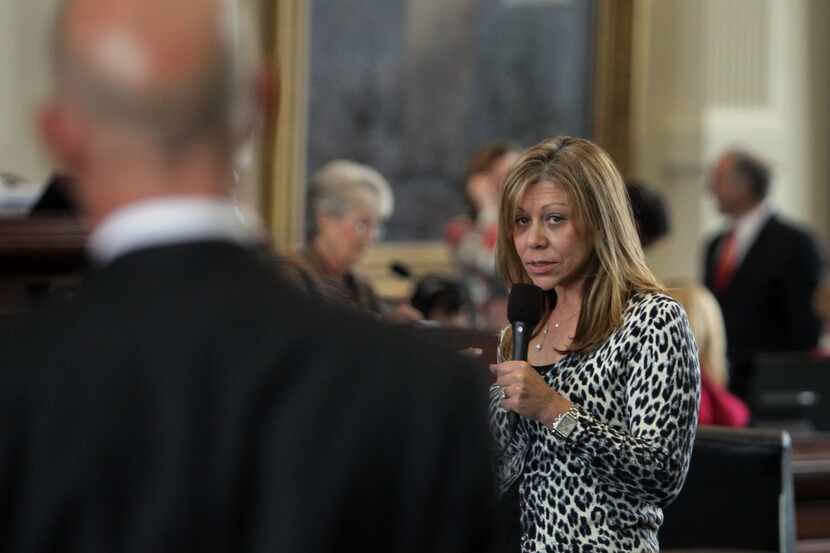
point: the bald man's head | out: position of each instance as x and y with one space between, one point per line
165 71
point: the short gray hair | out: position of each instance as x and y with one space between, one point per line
218 104
332 191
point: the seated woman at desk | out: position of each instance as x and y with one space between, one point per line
347 202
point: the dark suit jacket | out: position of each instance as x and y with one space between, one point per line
188 400
767 306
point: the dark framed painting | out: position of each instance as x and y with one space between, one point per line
413 88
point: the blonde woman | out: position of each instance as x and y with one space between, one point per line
596 428
717 405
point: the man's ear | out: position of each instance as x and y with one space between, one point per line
62 136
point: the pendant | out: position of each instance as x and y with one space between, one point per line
542 343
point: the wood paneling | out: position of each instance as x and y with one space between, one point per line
613 81
284 148
38 256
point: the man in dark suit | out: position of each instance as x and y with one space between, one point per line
763 270
186 399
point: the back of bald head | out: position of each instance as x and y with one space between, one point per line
170 72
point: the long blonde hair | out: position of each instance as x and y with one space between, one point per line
616 268
706 320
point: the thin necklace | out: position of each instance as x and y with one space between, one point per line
556 324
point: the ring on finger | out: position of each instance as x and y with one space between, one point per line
504 393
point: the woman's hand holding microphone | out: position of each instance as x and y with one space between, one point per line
525 392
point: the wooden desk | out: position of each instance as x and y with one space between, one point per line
38 255
811 477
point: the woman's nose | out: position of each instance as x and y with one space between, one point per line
536 236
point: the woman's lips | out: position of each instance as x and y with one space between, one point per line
539 267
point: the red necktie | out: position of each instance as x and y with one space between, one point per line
727 257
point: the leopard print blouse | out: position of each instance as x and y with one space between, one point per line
602 488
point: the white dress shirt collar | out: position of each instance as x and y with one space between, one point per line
748 226
168 221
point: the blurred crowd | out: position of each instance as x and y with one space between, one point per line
760 290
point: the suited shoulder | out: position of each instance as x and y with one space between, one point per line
392 352
230 311
788 229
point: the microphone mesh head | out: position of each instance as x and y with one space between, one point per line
525 304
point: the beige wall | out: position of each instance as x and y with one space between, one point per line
668 104
712 74
23 57
818 78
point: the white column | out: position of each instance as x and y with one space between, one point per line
668 100
712 75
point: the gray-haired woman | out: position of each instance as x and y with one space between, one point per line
347 202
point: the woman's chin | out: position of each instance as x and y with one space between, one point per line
545 282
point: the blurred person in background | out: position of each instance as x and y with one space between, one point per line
650 212
762 269
441 299
717 405
347 204
596 428
187 398
472 237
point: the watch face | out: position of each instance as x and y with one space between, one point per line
566 425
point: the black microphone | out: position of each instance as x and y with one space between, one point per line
524 310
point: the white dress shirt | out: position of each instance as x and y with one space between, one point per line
747 227
168 221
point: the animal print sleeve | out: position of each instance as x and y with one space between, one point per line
650 461
510 434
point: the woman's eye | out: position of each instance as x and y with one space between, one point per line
555 219
522 221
